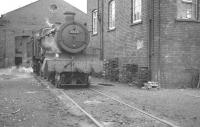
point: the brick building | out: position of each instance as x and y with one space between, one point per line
17 27
162 35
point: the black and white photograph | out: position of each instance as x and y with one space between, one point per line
99 63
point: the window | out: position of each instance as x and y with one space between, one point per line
187 9
111 15
136 11
94 22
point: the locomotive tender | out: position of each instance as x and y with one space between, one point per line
60 53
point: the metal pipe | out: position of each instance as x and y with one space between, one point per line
5 46
99 26
159 34
101 21
102 29
150 38
98 7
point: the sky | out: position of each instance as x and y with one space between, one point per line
10 5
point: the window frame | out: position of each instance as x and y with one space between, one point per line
110 16
196 13
94 32
133 12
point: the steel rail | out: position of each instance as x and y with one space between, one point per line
87 114
137 109
192 95
121 102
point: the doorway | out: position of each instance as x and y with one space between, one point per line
18 61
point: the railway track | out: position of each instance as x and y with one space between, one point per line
108 111
113 106
137 109
88 120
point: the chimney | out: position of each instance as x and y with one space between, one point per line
69 16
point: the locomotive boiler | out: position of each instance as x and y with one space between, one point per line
60 53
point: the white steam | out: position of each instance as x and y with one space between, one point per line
48 22
50 44
49 41
15 73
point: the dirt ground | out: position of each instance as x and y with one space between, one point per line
24 102
179 106
109 112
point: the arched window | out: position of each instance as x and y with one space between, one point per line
111 15
94 21
136 11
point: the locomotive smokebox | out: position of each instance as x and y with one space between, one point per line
69 16
72 37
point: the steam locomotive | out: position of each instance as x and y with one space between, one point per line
60 53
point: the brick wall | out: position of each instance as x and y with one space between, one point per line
169 46
94 39
128 41
180 47
2 48
33 17
9 48
27 18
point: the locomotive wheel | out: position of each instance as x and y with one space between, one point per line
52 78
57 80
87 85
57 84
88 82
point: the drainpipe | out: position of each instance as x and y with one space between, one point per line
101 22
98 9
152 50
99 25
102 29
150 37
5 48
159 35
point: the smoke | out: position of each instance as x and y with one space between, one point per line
50 44
22 69
15 73
49 41
48 23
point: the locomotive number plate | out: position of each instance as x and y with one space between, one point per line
74 31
